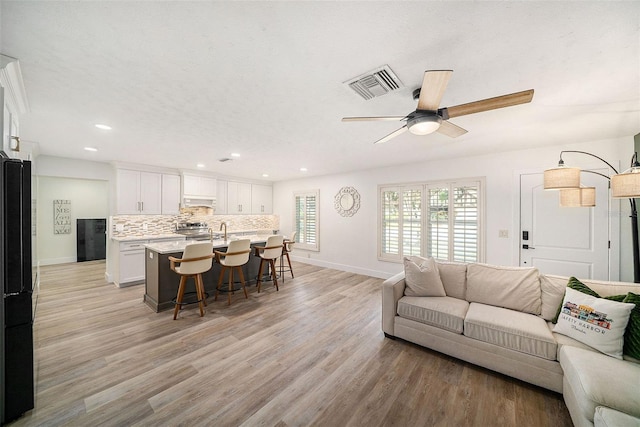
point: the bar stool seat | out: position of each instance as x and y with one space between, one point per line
235 257
268 254
197 258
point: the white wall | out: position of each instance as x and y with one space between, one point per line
89 199
351 243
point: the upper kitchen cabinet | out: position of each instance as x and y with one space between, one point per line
170 194
198 186
138 192
238 198
261 199
221 198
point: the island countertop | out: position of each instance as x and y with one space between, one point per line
178 246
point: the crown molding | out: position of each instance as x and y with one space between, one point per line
11 81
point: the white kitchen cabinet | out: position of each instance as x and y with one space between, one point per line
130 260
238 198
221 197
199 186
131 263
261 199
138 192
170 194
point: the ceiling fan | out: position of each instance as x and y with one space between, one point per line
429 118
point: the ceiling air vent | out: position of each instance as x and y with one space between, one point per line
224 159
375 83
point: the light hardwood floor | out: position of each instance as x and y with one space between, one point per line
311 354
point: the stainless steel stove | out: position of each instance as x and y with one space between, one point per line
194 230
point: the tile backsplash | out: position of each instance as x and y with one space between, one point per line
145 225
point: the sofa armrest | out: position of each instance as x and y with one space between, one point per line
392 291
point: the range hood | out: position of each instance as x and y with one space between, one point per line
209 202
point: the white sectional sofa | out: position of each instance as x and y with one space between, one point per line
500 318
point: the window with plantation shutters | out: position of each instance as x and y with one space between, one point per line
438 222
390 229
307 220
401 222
441 220
465 223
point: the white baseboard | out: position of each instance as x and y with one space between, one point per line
343 267
52 261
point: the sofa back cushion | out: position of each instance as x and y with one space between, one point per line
606 288
516 288
454 278
552 291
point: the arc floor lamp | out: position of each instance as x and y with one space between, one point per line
623 185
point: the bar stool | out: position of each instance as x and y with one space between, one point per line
286 248
196 259
269 254
235 257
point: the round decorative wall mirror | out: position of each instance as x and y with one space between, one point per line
347 201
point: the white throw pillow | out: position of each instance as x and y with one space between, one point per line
597 322
422 278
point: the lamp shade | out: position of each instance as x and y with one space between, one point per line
578 197
626 184
561 177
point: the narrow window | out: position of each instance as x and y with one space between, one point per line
306 219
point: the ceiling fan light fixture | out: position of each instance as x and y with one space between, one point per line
424 125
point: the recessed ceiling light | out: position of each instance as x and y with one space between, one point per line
103 127
90 149
235 154
303 169
200 165
265 175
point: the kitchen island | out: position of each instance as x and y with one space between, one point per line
161 283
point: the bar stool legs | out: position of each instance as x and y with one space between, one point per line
272 267
231 282
200 293
282 268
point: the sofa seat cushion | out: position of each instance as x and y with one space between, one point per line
511 329
443 312
600 380
563 340
607 417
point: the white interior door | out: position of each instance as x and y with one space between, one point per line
562 240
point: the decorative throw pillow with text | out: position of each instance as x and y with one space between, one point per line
597 322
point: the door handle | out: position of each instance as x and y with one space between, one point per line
527 247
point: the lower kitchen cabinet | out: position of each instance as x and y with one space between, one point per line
129 261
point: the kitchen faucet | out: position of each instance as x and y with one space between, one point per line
210 233
224 224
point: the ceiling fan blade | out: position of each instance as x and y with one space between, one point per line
434 84
393 134
489 104
449 129
381 118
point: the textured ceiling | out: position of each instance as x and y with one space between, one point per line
191 82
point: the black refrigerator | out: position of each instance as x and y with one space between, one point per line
16 343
